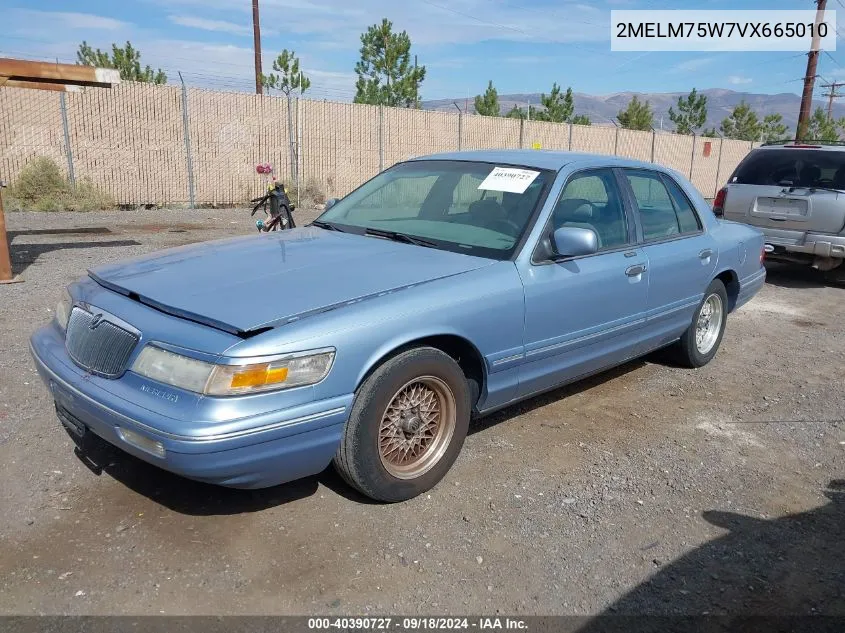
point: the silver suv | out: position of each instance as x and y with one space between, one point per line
795 194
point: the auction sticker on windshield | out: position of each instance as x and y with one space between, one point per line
509 179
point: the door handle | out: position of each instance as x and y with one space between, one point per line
636 269
705 253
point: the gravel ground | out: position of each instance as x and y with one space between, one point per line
650 489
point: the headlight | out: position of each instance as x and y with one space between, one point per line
63 309
294 370
173 369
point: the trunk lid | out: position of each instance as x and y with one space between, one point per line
789 187
797 209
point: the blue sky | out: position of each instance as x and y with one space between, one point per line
522 45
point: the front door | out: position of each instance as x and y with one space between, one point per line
584 314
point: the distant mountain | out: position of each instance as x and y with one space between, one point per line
603 108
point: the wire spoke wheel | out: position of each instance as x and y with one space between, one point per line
709 323
416 427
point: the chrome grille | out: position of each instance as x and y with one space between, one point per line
98 345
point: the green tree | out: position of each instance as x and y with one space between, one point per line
773 128
519 113
581 119
126 60
386 73
488 103
637 116
820 127
558 107
711 133
691 114
290 77
742 124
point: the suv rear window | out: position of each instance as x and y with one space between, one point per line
792 167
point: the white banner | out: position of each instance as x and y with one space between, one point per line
722 30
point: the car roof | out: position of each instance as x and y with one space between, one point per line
541 159
823 145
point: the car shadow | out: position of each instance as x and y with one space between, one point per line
190 497
790 566
195 498
560 393
786 275
22 255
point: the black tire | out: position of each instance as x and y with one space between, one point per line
358 459
688 353
836 276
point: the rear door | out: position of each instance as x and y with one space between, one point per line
789 188
682 256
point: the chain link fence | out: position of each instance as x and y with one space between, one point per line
170 145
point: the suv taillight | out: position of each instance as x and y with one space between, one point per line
719 202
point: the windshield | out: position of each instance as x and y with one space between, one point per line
470 207
793 168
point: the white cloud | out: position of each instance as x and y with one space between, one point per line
210 25
66 20
738 80
432 23
692 65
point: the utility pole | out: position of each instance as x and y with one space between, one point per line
256 37
810 77
831 95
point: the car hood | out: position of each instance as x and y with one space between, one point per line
251 283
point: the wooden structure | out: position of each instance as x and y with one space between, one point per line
21 73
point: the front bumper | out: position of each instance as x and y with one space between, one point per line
267 449
815 244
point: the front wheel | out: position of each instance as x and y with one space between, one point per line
407 426
701 341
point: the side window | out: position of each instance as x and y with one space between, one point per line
662 214
591 200
687 217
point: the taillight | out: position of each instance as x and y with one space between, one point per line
762 254
719 202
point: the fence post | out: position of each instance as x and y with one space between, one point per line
570 137
298 154
460 129
521 133
692 158
653 138
187 133
68 151
381 138
616 142
718 165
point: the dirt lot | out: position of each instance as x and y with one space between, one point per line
651 489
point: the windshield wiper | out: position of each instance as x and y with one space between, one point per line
327 225
401 237
811 189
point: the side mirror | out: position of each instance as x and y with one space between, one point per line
573 241
331 202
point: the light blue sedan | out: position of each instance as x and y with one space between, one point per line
445 287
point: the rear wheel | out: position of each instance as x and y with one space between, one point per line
701 341
407 426
837 275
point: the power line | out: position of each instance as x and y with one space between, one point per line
831 94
